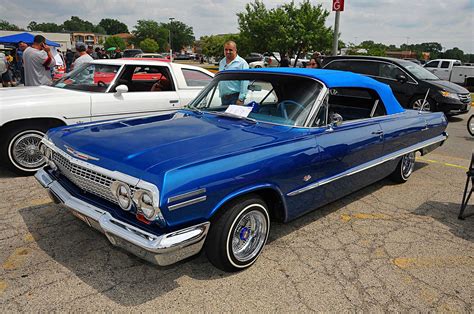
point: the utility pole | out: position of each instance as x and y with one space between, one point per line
336 35
338 6
171 49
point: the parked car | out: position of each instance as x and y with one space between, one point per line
103 89
214 176
252 57
130 53
413 86
452 70
151 55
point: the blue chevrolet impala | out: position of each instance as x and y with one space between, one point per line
213 176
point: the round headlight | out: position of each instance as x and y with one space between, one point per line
145 203
123 195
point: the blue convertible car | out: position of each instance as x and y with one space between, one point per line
212 176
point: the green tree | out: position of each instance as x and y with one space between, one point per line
149 45
112 26
150 29
373 48
288 29
213 46
75 24
182 35
454 53
7 26
44 27
114 41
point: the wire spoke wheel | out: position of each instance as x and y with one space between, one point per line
24 150
249 236
408 164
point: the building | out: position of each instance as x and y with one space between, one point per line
127 38
88 38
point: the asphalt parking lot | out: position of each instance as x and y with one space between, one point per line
387 247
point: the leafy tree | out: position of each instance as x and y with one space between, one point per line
112 26
150 29
44 27
213 46
114 41
374 49
182 35
75 24
7 26
149 45
288 29
454 53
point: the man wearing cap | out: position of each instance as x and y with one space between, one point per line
37 61
84 57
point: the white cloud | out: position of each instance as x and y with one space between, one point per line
387 21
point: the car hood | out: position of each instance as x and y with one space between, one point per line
161 143
33 94
449 86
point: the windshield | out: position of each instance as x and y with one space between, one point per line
418 71
263 97
89 77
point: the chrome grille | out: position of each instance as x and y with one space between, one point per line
465 98
86 179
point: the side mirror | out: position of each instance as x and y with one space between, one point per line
401 78
335 120
119 90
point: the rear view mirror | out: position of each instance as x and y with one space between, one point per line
336 120
255 88
401 78
121 89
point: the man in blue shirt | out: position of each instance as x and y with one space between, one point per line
232 92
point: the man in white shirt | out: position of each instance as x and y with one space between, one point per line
84 57
37 62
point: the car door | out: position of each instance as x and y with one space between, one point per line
345 150
443 70
432 66
139 99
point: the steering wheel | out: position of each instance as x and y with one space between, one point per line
101 84
282 109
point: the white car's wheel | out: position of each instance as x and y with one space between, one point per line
237 237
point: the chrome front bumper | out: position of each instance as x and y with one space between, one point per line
162 250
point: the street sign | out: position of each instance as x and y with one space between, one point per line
338 5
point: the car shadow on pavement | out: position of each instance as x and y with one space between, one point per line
129 280
447 214
4 173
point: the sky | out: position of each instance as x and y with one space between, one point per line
449 22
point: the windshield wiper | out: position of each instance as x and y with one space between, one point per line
193 109
230 115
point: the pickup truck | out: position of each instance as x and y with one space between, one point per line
452 70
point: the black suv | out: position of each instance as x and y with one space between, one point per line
409 82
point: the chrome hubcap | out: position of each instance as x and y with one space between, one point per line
25 151
421 102
249 236
408 163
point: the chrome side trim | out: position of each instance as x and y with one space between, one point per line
187 203
186 195
165 249
370 164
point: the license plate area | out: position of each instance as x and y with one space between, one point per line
81 217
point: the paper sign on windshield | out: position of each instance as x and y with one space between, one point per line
240 111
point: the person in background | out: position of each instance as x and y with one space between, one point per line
69 59
284 62
103 54
118 54
96 54
84 57
37 61
313 64
19 60
90 50
232 92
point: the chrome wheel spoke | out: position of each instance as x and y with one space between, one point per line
25 150
249 236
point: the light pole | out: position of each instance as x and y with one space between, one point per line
171 49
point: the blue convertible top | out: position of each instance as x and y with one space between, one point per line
334 79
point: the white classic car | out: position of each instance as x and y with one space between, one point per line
100 90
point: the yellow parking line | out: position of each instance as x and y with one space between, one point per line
3 286
17 259
346 217
443 163
432 262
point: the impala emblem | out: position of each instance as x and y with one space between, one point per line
306 178
79 155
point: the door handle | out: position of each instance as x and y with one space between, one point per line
379 132
174 101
